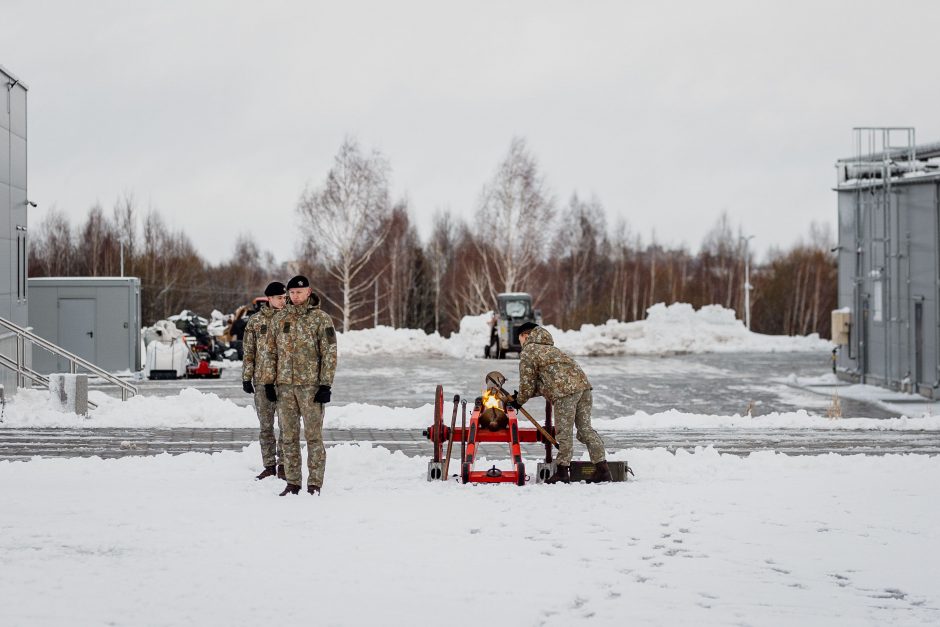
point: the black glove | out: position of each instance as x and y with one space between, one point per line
270 392
248 387
514 401
322 395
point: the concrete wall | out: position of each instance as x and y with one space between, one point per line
889 265
13 209
115 325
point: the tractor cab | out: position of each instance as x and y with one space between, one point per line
513 309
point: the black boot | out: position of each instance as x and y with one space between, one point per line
267 472
601 473
562 475
313 489
280 472
290 489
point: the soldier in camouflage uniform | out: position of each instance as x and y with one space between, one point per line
299 376
255 353
545 370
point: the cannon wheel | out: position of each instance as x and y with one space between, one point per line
437 431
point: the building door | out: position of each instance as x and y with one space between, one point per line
77 328
918 343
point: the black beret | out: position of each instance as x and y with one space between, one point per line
527 326
298 281
275 289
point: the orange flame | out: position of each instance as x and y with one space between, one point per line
491 399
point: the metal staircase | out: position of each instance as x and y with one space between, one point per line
25 372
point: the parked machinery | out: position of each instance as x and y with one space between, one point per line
513 309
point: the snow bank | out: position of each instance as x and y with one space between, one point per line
677 328
466 343
194 409
700 538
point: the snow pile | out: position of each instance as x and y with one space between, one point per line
699 538
800 419
679 328
466 343
194 409
676 328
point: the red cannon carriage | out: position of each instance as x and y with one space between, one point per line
491 420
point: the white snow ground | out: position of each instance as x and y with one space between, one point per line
699 538
676 328
194 409
903 403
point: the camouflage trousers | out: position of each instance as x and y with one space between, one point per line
575 411
294 402
270 442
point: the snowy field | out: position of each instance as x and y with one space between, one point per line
698 538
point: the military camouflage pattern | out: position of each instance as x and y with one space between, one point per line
271 450
294 401
301 346
547 371
256 353
255 344
575 411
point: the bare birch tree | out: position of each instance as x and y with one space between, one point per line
576 251
440 254
345 221
513 222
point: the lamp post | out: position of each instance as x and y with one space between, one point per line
747 281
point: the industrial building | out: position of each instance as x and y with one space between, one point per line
13 209
887 327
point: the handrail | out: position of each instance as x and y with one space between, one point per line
74 360
31 374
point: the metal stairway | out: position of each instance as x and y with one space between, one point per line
25 372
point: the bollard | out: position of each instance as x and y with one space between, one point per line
70 391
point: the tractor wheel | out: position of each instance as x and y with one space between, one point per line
465 473
520 474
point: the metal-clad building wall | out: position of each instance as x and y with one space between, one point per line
889 265
96 318
13 241
920 263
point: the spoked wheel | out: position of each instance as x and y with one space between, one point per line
437 431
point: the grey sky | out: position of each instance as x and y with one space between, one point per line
218 113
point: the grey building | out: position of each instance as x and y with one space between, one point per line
13 210
96 318
888 323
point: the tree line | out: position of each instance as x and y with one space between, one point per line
362 251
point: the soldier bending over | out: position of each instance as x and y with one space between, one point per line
545 370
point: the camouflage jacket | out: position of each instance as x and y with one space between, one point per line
547 371
255 345
302 346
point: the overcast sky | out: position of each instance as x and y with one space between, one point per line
219 113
